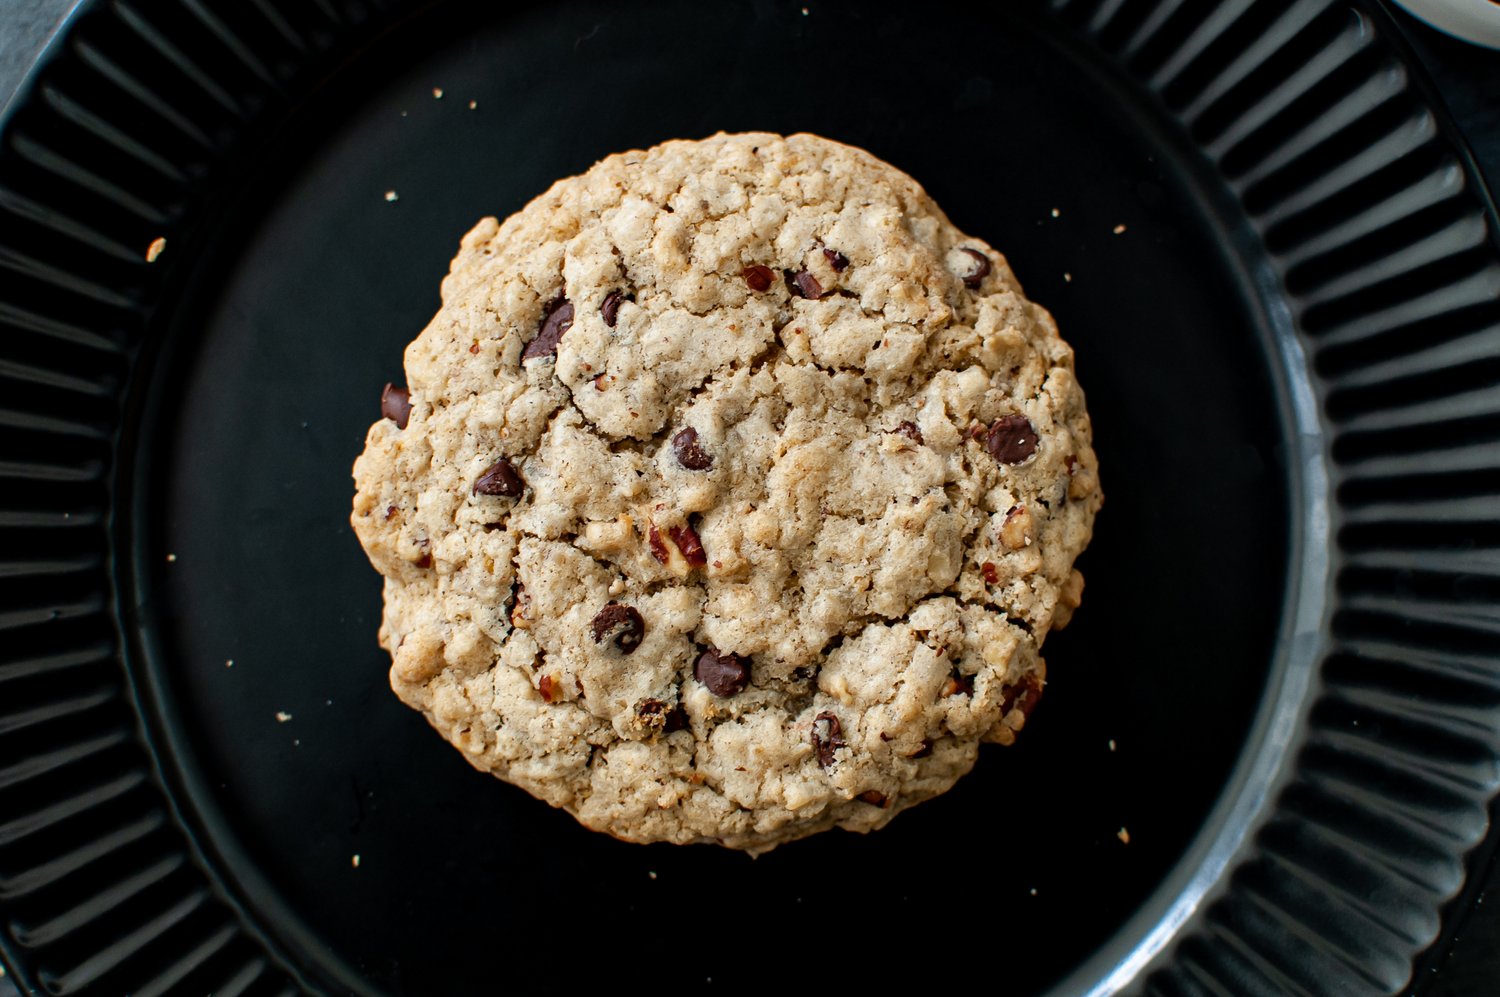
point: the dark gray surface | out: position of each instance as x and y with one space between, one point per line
25 26
1468 79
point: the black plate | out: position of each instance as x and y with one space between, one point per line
1281 280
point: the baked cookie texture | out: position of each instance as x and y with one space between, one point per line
735 494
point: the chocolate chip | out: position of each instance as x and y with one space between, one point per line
758 277
611 307
803 284
1011 439
558 320
622 623
390 512
500 479
654 713
689 454
827 736
874 797
724 674
923 751
910 430
990 572
686 539
976 276
395 405
836 259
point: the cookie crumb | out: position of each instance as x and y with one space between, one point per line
804 11
1033 891
1111 744
651 874
1119 229
437 93
1056 213
354 860
155 249
1123 835
229 663
391 196
283 716
1068 277
473 104
171 558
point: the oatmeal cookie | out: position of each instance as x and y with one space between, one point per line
733 497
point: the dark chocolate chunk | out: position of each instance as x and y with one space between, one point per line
395 405
621 623
976 276
836 259
724 674
803 285
910 430
689 454
990 572
1011 439
611 307
827 736
874 797
500 479
558 320
686 539
758 277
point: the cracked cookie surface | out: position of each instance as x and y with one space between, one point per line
734 496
